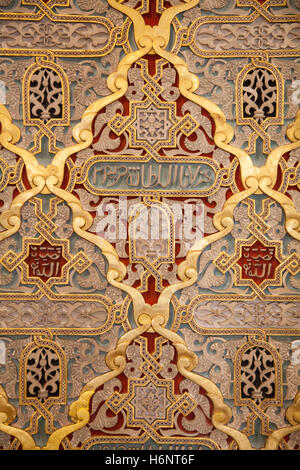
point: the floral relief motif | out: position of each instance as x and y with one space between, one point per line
42 374
259 95
45 95
149 225
260 34
48 35
86 357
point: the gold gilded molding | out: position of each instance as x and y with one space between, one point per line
118 84
223 221
187 361
79 413
79 410
147 318
7 415
11 218
293 416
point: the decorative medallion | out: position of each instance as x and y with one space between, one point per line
149 225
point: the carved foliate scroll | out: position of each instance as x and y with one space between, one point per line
149 225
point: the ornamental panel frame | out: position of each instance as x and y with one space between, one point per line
119 318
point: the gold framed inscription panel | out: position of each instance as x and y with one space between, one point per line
149 237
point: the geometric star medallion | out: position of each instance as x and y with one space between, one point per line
45 261
150 403
258 262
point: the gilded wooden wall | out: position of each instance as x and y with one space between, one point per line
150 224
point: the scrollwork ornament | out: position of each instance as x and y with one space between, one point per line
239 211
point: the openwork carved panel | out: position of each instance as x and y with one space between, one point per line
149 224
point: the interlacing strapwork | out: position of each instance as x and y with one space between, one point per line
149 224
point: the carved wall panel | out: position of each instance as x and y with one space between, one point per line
149 224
